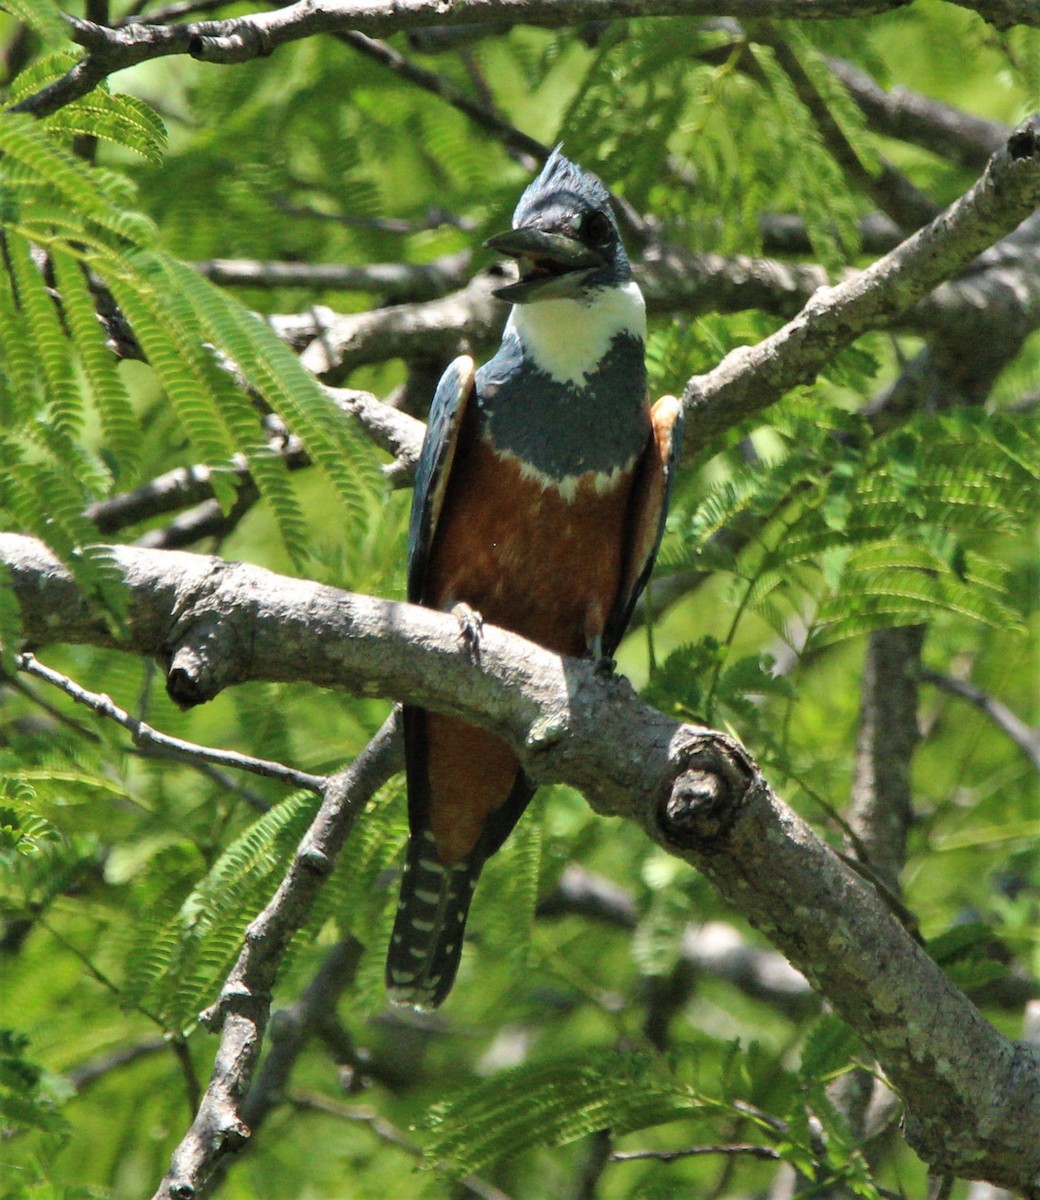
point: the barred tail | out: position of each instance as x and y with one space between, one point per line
431 917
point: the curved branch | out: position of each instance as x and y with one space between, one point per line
259 34
947 131
974 1095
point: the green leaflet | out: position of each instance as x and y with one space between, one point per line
347 460
187 943
42 16
206 349
109 392
509 893
124 120
554 1103
821 190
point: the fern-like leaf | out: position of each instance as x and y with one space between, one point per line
117 415
554 1103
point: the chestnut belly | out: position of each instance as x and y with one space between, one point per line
526 557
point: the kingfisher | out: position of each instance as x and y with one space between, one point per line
539 503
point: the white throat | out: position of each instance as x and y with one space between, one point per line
568 338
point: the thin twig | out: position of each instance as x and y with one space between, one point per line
1025 736
97 1068
749 1149
396 282
144 735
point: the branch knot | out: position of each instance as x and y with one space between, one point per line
706 799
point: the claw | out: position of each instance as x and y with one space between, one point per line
605 665
471 625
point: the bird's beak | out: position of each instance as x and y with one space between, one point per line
552 265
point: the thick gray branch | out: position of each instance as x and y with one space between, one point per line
974 1095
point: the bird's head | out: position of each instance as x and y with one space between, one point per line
564 237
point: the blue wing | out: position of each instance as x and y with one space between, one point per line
434 469
651 490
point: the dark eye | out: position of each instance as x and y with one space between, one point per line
597 229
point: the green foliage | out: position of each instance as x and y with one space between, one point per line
193 336
127 881
26 1101
555 1103
823 196
186 945
44 17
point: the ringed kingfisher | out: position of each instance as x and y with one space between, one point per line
539 504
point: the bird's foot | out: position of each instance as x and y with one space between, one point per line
605 665
471 626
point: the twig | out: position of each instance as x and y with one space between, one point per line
1025 736
529 151
390 429
184 486
748 1149
206 520
291 1029
94 1069
785 233
145 735
229 784
952 134
714 947
436 218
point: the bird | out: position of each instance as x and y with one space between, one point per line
539 504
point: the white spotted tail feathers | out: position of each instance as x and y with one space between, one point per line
426 944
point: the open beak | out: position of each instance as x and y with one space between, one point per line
552 265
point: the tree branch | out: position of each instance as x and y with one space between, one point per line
291 1029
974 1095
881 809
257 35
395 282
750 378
949 132
144 735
